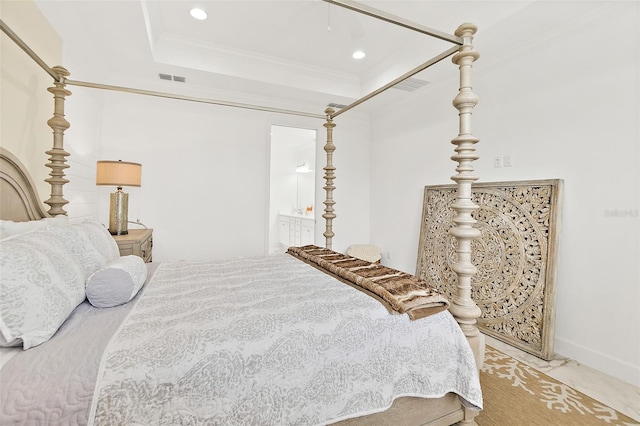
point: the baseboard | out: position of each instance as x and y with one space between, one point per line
607 364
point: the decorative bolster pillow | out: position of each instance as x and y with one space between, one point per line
117 283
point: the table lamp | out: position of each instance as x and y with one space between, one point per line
118 174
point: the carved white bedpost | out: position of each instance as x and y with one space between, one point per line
57 154
462 306
329 175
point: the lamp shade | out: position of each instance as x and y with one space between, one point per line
118 173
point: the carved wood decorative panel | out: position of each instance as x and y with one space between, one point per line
515 257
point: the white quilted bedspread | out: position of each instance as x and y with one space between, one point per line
271 341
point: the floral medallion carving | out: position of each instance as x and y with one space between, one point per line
515 257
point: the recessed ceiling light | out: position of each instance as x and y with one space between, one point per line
198 14
358 54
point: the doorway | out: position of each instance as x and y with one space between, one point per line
292 189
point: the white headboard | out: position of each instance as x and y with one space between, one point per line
19 199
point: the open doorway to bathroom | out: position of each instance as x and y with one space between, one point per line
292 188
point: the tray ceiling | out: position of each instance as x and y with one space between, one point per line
295 50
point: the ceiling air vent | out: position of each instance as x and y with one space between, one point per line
411 84
335 105
172 77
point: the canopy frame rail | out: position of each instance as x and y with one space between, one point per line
398 80
25 47
191 98
396 20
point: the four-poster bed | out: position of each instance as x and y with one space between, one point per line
459 402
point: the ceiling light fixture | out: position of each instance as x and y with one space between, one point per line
358 54
198 14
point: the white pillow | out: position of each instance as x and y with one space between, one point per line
100 237
9 228
5 344
76 240
117 283
40 285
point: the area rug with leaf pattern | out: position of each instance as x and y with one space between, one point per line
516 394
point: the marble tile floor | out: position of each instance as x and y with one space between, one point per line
617 394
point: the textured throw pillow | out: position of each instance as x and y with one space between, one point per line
5 344
100 238
117 283
40 285
77 240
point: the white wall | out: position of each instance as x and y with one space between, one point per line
205 174
83 110
82 143
559 91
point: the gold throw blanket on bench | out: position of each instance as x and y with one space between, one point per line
405 293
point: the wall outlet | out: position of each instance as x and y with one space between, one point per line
502 161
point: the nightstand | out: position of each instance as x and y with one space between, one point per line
138 242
